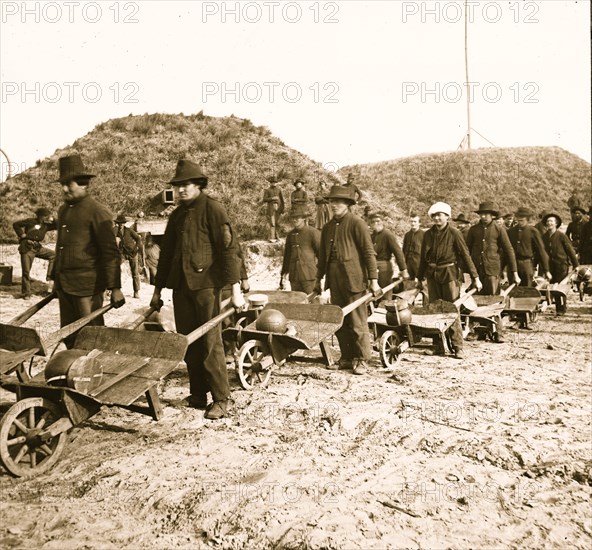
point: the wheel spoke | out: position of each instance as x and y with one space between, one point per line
46 449
15 441
32 417
21 453
33 455
20 426
43 420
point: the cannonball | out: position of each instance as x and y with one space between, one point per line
584 273
56 369
272 320
76 369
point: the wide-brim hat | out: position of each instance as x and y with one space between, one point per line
299 211
554 215
578 209
486 207
297 181
72 168
461 218
121 219
188 170
523 212
341 192
442 207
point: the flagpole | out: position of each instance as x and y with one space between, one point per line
467 76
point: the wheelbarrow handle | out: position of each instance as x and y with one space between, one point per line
462 299
504 293
138 322
29 312
209 325
70 329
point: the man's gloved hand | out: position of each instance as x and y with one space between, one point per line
156 302
245 286
237 299
117 297
517 278
477 284
405 274
375 288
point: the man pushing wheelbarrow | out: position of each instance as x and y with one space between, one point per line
198 259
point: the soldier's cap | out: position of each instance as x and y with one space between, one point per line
343 193
72 168
578 209
42 212
299 211
187 170
121 219
376 216
508 215
441 207
488 207
524 212
297 181
552 215
461 218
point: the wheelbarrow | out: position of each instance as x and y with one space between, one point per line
555 292
524 304
582 281
309 325
19 344
432 321
108 366
482 314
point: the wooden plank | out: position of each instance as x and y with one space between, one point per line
322 313
9 360
128 366
154 403
164 345
30 311
127 391
14 338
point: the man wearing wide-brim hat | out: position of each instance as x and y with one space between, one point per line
131 248
299 196
487 241
348 262
443 254
528 247
87 259
31 233
561 255
463 224
301 252
574 228
197 259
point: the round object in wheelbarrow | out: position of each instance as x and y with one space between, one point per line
398 312
74 368
584 273
272 320
258 300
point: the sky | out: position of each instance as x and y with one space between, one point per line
343 82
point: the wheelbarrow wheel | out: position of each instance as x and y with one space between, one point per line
22 452
239 325
249 368
389 349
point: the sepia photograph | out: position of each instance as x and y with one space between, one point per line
295 274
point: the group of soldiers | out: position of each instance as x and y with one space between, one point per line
200 258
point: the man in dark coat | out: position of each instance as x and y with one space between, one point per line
443 253
131 248
323 210
561 255
586 241
299 196
87 259
350 184
528 245
348 262
197 259
31 232
574 228
301 252
274 207
487 241
386 247
412 241
463 224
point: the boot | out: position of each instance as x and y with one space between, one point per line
217 410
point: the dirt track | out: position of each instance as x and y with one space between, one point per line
493 451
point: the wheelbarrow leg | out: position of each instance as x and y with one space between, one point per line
154 403
327 353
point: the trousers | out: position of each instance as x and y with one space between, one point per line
73 308
353 336
449 292
205 361
27 258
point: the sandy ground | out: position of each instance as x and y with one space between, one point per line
490 452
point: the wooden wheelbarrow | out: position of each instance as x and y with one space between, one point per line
555 292
108 366
19 344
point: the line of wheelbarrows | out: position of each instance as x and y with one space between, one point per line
113 366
